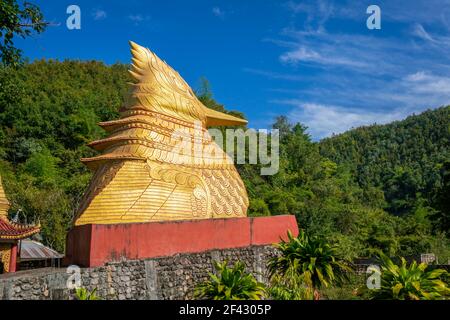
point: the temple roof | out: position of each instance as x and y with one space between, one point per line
14 231
10 230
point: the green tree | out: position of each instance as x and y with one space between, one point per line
44 126
17 18
441 218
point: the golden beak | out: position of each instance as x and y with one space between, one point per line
216 118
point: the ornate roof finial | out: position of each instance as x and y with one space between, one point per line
4 203
11 230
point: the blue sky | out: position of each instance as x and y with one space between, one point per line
314 61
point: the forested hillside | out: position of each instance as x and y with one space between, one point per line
373 188
406 159
48 112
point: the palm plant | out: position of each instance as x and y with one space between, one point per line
410 282
230 284
312 259
84 294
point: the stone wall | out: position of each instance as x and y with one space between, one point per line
158 278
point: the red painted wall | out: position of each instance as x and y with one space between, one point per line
93 245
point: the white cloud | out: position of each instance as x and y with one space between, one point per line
218 12
275 75
138 18
338 107
304 54
301 54
345 78
429 83
418 76
317 12
356 52
439 41
418 11
99 14
325 120
297 7
419 31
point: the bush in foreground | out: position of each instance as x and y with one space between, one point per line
311 260
410 281
230 284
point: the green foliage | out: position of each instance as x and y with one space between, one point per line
85 294
402 158
441 217
311 259
290 285
258 208
354 289
17 18
230 284
410 282
44 128
356 190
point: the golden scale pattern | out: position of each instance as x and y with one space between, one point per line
140 175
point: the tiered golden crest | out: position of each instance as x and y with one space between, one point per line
142 174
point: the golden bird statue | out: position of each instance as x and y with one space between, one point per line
142 174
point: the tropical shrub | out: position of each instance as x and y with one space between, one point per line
230 284
85 294
353 289
410 281
312 259
289 286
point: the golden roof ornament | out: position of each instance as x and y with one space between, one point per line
11 230
145 173
4 203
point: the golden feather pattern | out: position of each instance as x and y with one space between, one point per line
160 88
140 175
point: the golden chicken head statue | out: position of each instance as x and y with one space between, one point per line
153 165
